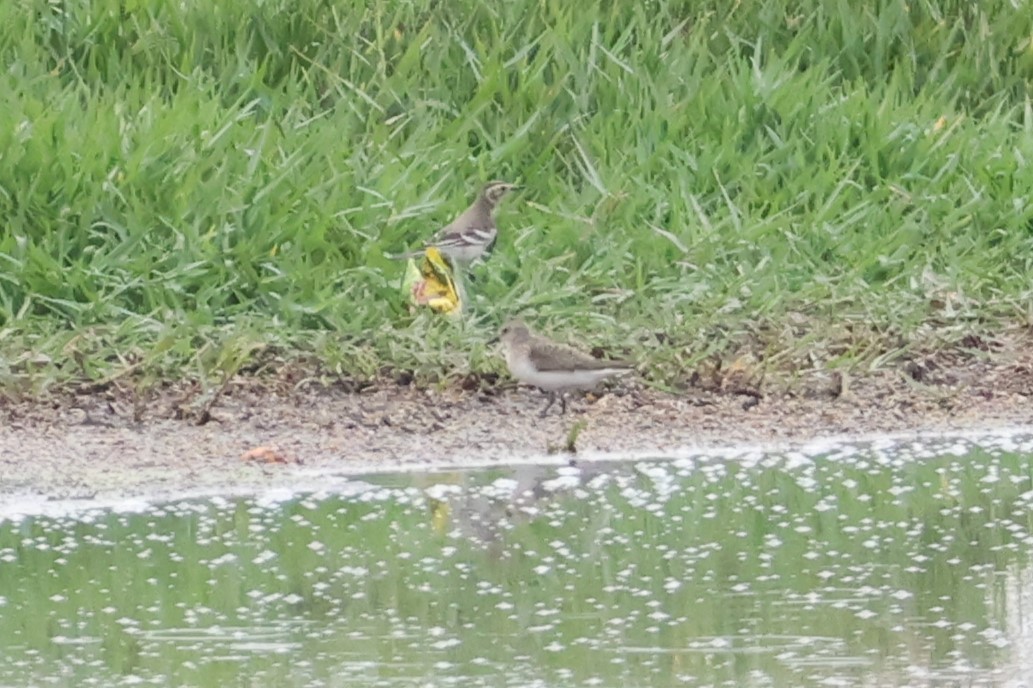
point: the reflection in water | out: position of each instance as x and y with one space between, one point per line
888 564
1015 606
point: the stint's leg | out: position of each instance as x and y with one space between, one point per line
552 399
563 403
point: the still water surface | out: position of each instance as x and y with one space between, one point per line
881 564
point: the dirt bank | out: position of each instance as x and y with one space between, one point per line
106 443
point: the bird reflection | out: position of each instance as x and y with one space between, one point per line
484 516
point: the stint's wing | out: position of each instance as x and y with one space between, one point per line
549 356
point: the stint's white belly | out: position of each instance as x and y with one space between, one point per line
558 380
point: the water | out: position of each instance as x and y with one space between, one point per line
884 564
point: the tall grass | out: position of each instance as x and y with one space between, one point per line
182 177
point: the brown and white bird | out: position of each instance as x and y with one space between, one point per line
553 367
473 233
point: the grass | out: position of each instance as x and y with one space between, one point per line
192 188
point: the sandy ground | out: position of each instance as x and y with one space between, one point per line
104 444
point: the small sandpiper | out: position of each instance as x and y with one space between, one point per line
553 367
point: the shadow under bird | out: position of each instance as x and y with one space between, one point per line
552 367
474 232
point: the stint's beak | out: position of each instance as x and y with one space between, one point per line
494 340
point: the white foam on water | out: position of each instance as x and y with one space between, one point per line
17 507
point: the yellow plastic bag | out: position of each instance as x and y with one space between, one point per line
433 283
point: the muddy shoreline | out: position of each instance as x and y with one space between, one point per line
106 444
